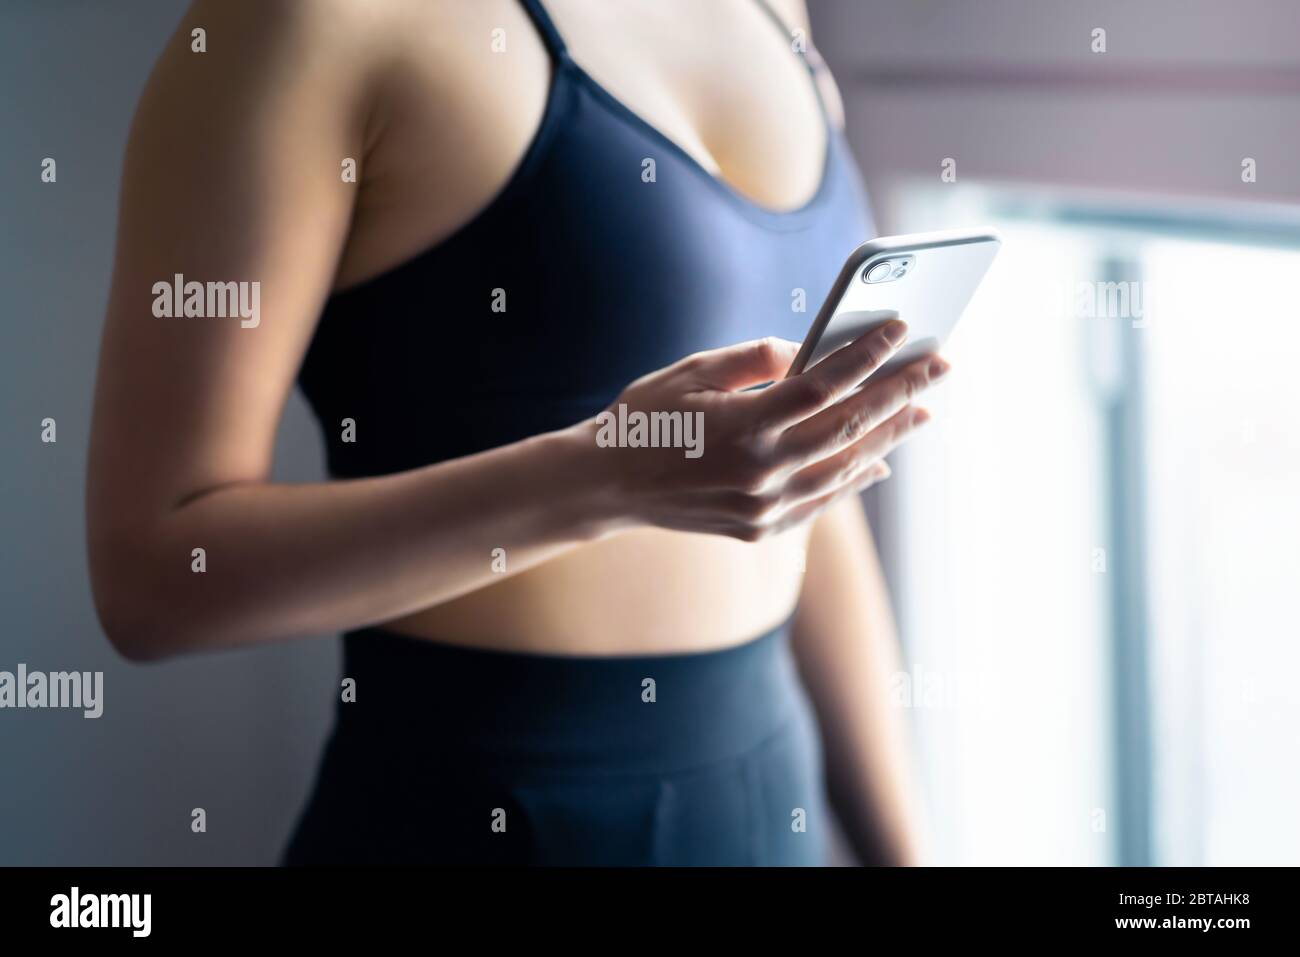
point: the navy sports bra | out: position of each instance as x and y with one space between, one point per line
576 279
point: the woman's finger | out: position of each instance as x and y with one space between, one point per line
845 423
798 397
850 464
810 509
745 364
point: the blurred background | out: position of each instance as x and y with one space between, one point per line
1093 553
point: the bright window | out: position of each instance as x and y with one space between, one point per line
1224 507
1097 547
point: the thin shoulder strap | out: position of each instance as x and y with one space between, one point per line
546 27
799 45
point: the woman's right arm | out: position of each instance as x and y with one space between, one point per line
232 175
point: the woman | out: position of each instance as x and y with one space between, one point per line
561 648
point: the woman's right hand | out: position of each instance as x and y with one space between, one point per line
767 459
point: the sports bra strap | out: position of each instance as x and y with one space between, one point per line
810 57
546 27
555 42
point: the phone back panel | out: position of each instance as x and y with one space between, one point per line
930 297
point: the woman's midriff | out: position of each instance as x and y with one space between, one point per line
639 592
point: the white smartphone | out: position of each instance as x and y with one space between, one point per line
925 279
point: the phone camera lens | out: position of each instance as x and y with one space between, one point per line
879 272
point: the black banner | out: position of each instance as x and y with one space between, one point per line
1161 906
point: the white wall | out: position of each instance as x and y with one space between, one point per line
236 734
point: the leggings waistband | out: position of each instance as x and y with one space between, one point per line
661 712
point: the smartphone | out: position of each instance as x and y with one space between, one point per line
925 279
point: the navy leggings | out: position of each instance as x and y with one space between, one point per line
459 756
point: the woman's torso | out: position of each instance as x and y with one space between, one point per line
513 263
